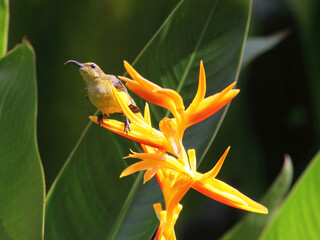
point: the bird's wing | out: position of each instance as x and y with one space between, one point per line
122 88
117 83
133 107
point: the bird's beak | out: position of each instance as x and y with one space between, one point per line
80 65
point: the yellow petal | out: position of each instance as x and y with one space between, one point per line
146 136
201 89
136 167
149 174
139 79
147 117
215 170
177 211
160 178
144 165
161 160
176 98
228 195
151 92
158 209
147 93
178 195
152 161
220 99
168 128
192 159
154 156
209 106
127 111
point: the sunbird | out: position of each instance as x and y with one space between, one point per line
99 91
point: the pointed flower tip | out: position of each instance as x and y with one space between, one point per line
260 209
227 150
132 151
256 208
202 76
131 155
94 119
265 210
230 87
125 173
216 169
126 80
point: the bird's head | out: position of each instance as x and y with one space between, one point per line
89 71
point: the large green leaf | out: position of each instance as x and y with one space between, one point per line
251 226
4 25
88 200
21 176
173 56
299 217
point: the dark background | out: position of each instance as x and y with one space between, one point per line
274 113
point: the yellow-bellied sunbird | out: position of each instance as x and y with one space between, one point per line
99 91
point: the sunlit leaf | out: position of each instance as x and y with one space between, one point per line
251 226
4 24
299 217
21 176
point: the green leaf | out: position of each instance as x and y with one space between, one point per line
173 56
256 46
21 176
88 200
251 226
4 25
299 217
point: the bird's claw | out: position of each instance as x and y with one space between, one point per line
100 118
127 125
126 122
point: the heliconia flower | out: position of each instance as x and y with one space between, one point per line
164 155
200 108
204 183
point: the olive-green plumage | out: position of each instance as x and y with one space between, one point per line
99 91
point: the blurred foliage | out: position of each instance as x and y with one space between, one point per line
299 216
306 15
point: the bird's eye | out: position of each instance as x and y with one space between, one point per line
93 66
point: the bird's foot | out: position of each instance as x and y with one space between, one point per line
100 118
127 125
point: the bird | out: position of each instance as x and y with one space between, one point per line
99 91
